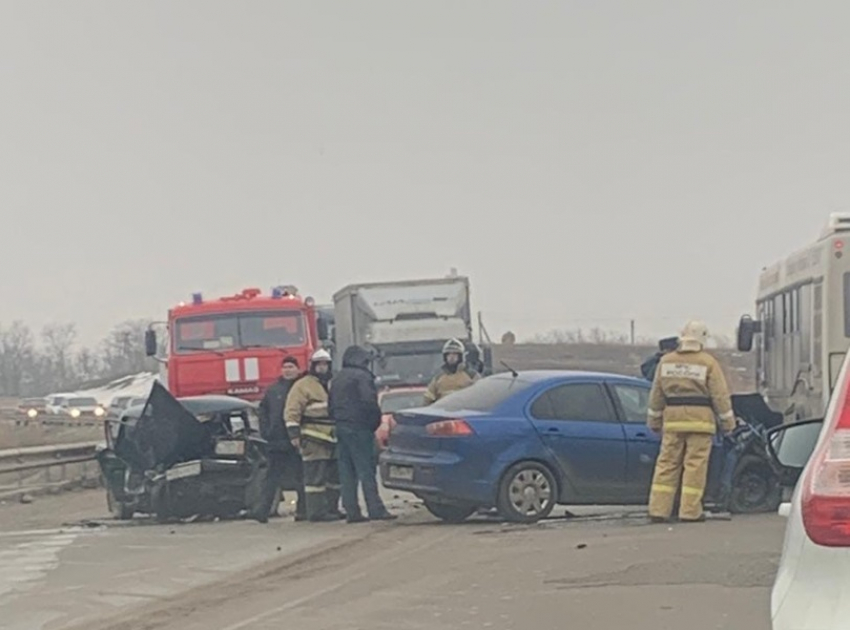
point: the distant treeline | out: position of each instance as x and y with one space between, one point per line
34 364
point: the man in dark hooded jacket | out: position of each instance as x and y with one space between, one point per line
353 404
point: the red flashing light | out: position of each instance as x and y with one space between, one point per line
838 245
826 487
449 428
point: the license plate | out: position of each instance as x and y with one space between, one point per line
230 447
181 471
402 472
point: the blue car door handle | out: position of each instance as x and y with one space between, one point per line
553 430
641 434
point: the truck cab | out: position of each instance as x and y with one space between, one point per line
234 345
405 324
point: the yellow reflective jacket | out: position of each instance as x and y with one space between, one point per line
306 411
688 390
447 382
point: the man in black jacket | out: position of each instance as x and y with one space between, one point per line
353 404
284 460
648 367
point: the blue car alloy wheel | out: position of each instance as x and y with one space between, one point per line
528 493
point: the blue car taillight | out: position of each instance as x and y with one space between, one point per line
456 427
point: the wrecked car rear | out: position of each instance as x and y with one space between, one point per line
175 458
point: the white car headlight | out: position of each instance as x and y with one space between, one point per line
230 447
99 412
75 413
32 413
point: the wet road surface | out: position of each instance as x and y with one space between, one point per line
610 570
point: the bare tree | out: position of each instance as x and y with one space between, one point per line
87 365
58 340
17 354
124 349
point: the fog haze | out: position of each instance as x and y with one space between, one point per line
583 162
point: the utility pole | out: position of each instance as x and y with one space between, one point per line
633 332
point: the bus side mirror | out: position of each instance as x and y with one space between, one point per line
322 328
747 329
151 345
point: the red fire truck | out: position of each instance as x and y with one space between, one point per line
234 345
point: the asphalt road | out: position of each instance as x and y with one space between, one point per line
606 569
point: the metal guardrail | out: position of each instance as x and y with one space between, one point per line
49 420
36 469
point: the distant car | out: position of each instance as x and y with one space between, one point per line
524 443
32 407
120 404
392 401
117 406
55 403
82 407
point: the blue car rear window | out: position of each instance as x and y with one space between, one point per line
485 395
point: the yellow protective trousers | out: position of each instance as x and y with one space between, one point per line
688 451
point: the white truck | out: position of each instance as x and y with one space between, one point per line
405 325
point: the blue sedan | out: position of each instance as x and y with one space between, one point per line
524 442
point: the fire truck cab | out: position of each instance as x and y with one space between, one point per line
234 345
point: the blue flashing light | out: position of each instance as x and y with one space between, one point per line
197 298
277 293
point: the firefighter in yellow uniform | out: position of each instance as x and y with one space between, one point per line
688 392
453 376
312 432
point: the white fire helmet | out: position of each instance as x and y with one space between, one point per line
694 332
454 346
321 355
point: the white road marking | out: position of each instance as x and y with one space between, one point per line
25 563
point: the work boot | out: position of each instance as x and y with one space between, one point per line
699 519
316 504
332 496
658 520
324 518
357 518
384 516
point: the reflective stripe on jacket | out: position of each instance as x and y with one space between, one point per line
688 390
306 411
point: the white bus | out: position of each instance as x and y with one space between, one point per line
801 330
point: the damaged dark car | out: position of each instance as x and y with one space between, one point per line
175 459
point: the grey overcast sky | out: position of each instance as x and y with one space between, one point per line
582 161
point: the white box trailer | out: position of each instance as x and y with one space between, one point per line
405 323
